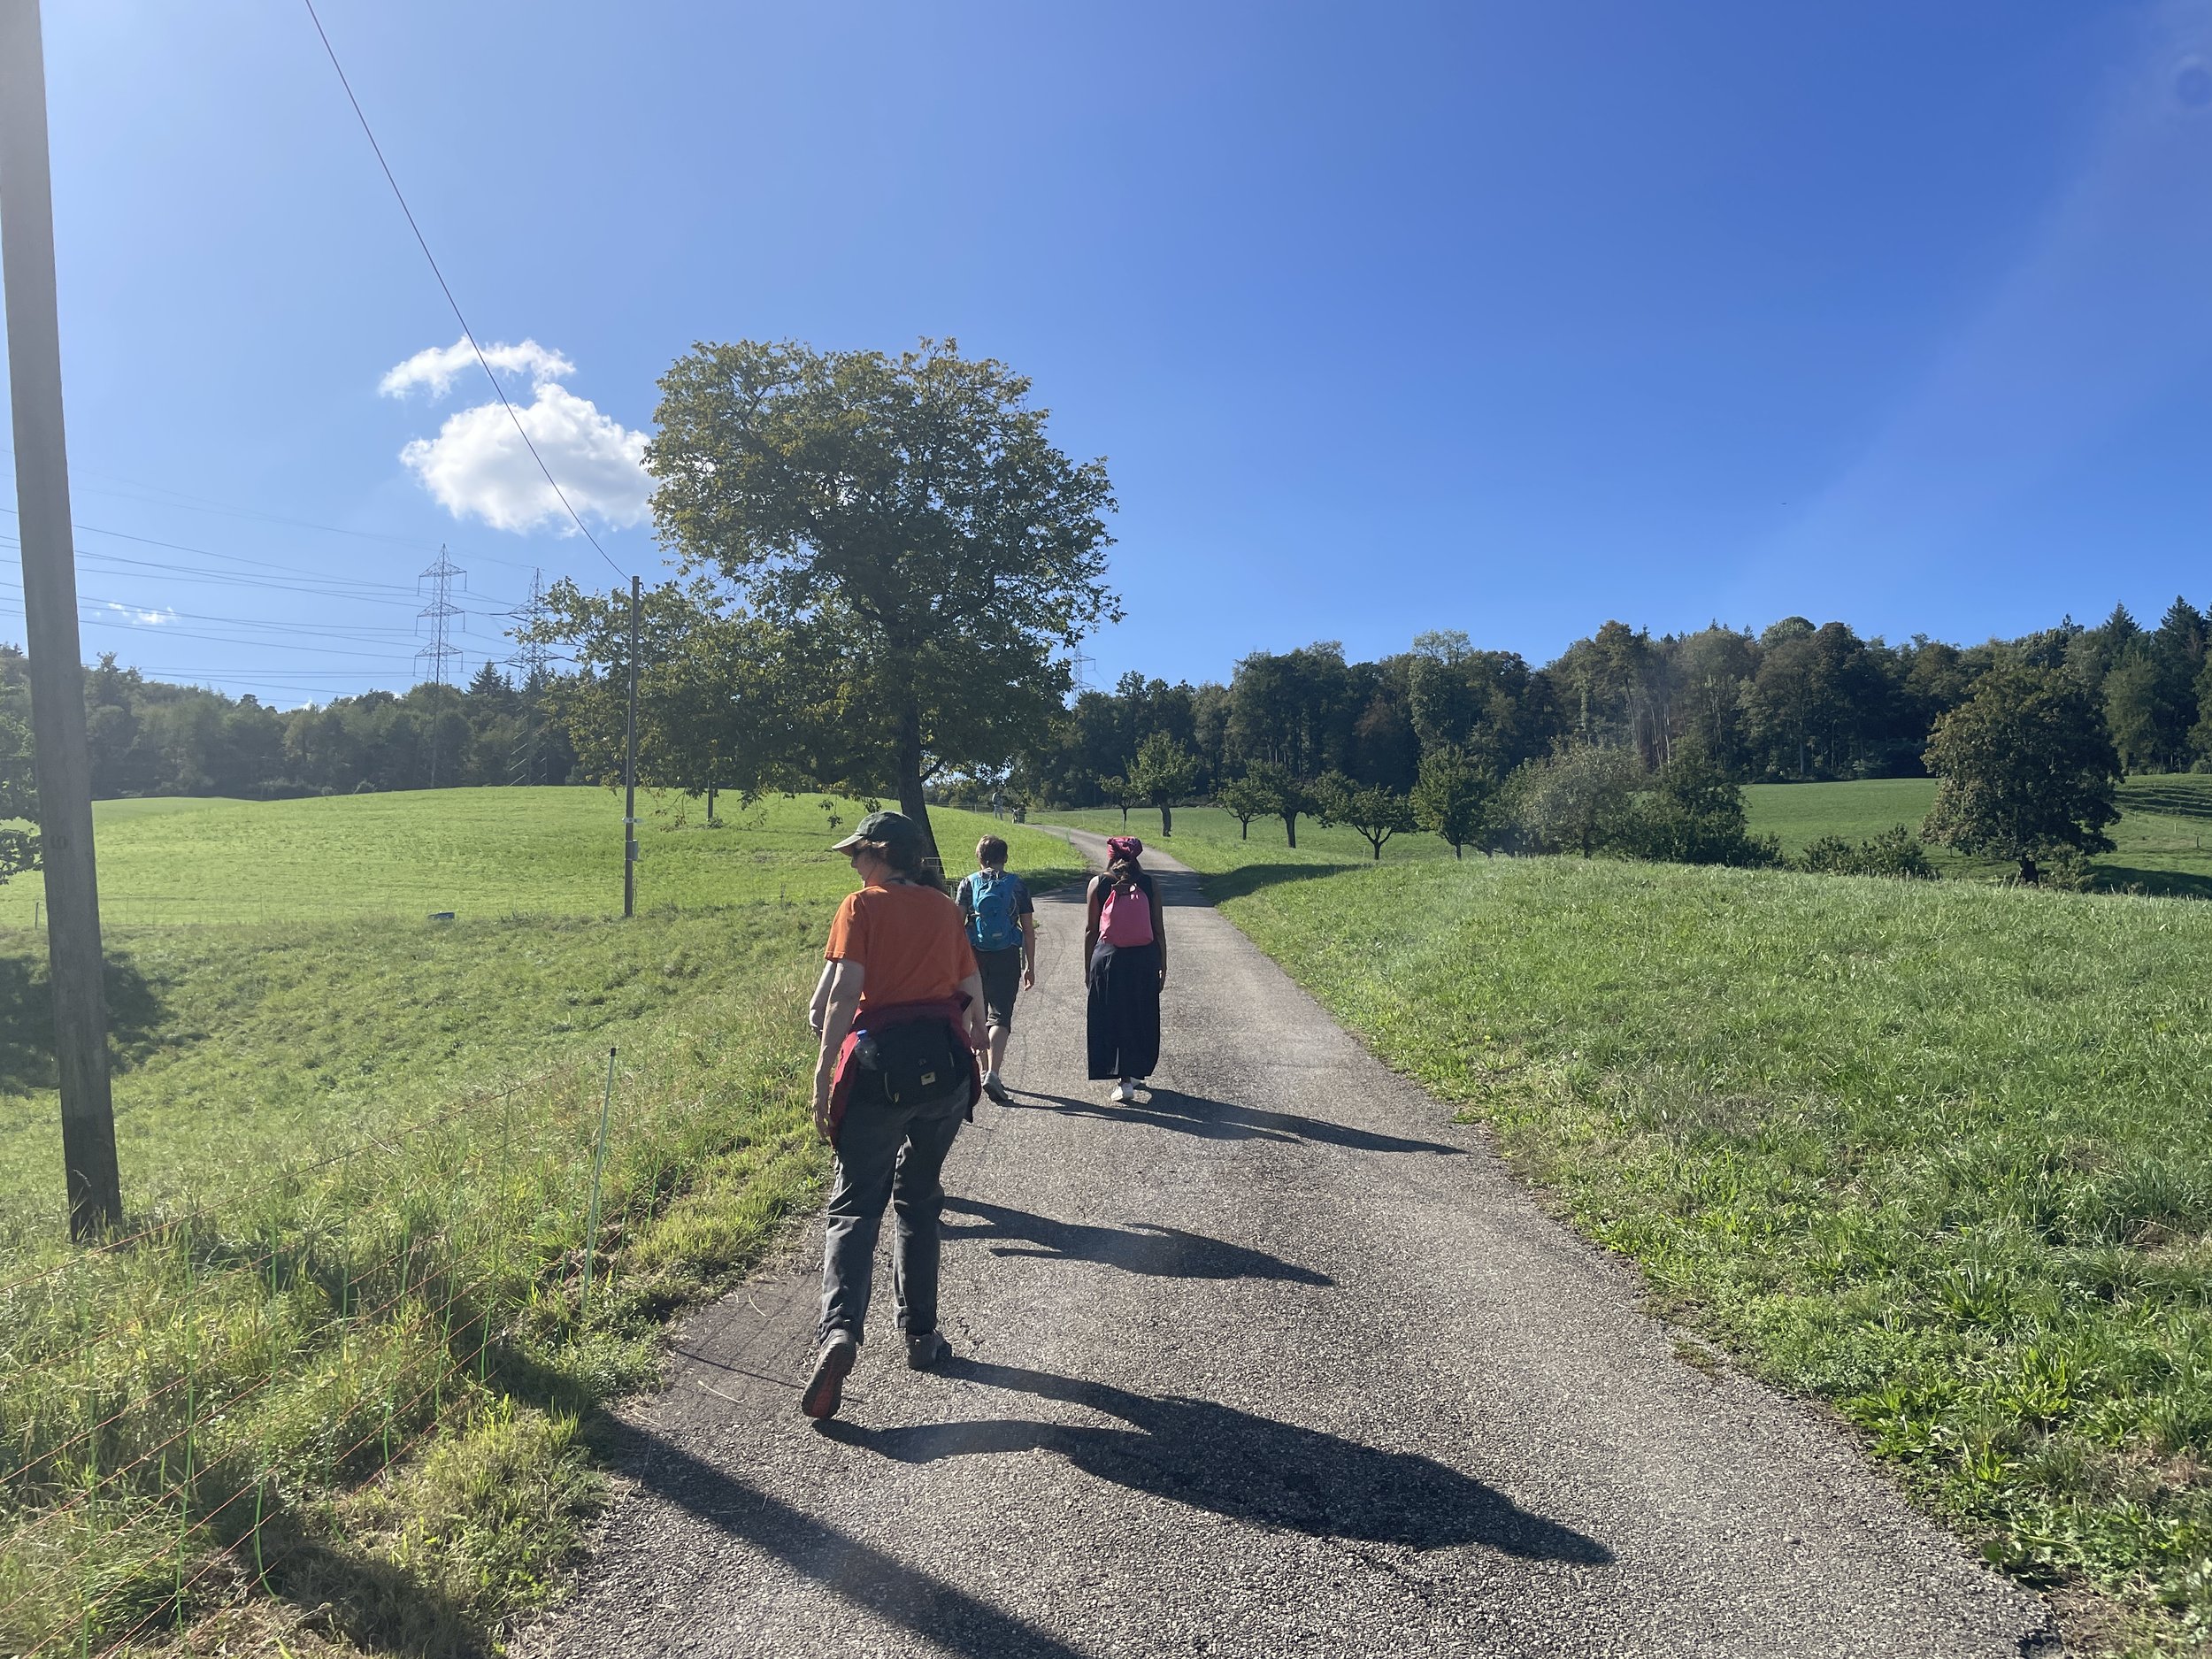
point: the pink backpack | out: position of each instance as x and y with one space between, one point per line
1125 918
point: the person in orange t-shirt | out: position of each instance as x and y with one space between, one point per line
898 968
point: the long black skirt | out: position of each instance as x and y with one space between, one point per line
1124 1015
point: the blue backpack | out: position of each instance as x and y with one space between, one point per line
991 924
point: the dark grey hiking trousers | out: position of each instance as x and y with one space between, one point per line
892 1154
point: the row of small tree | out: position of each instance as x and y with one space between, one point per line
1795 701
2026 773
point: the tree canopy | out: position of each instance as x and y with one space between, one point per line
1452 796
1163 772
1376 812
2027 769
1288 797
905 515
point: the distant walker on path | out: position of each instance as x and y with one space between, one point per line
1002 932
1124 944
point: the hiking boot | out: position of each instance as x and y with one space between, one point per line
825 1390
925 1350
995 1089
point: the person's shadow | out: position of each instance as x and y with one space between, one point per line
1158 1252
1224 1120
1246 1467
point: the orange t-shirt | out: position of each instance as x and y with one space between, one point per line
910 941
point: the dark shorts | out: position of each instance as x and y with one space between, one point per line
1001 971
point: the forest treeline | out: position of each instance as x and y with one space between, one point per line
1795 701
150 737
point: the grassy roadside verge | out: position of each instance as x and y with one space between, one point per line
335 1393
1938 1155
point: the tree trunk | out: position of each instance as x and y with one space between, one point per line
1244 829
1377 845
1124 818
910 765
711 792
1456 853
2029 876
1167 820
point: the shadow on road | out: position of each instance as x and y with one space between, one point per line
1159 1252
1219 1120
855 1571
1247 1468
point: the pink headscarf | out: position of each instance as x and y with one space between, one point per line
1123 847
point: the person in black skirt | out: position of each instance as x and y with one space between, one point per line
1124 942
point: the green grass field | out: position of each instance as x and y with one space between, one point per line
483 854
2161 840
1937 1154
344 1366
1206 838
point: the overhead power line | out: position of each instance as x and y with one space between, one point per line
445 287
163 495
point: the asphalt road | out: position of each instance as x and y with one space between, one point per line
1277 1362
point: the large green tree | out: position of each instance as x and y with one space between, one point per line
1580 800
1453 795
1692 813
2027 769
1163 772
725 703
1288 796
911 506
1245 799
1376 812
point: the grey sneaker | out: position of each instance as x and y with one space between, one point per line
825 1390
925 1350
995 1089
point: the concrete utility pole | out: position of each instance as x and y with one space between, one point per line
629 774
49 610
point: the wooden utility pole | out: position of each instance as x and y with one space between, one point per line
629 774
49 610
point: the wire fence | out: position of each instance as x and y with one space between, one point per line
183 1403
156 909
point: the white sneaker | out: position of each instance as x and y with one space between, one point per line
1123 1094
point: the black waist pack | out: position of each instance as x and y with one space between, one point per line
917 1060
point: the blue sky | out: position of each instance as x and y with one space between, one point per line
1506 319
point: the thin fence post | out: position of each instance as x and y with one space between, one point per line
191 1411
499 1232
598 1166
260 1490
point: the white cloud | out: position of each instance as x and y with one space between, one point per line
479 466
147 619
436 367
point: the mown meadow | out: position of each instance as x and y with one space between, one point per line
396 1224
1937 1154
